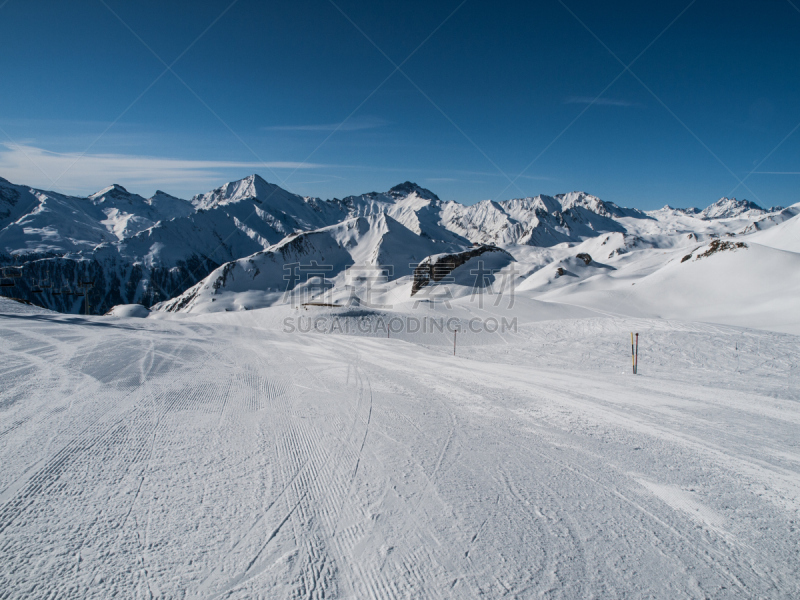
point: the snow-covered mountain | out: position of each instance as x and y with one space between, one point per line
150 250
727 208
539 221
309 264
417 208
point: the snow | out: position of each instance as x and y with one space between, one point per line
755 286
785 235
129 311
219 455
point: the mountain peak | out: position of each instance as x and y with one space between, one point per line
726 208
113 190
582 199
407 188
251 187
254 178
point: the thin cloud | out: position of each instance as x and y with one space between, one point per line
496 174
443 180
598 101
354 124
536 177
479 173
39 168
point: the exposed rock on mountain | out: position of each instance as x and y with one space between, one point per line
720 246
436 268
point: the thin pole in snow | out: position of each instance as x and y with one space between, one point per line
633 356
455 331
636 361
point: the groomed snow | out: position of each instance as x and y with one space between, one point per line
217 456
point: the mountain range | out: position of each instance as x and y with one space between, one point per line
241 236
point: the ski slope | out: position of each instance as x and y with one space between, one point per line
217 456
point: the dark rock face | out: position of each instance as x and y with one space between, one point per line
587 259
54 282
8 197
439 268
560 271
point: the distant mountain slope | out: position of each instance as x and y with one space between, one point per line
728 281
309 263
784 235
726 208
539 221
415 207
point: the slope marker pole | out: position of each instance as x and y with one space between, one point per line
636 360
455 331
633 359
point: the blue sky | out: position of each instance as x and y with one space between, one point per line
489 101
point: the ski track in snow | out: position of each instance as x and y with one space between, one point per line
146 458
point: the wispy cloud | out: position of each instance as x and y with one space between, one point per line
354 124
479 173
37 167
490 174
598 101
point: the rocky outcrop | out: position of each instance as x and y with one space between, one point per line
714 247
436 268
719 246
